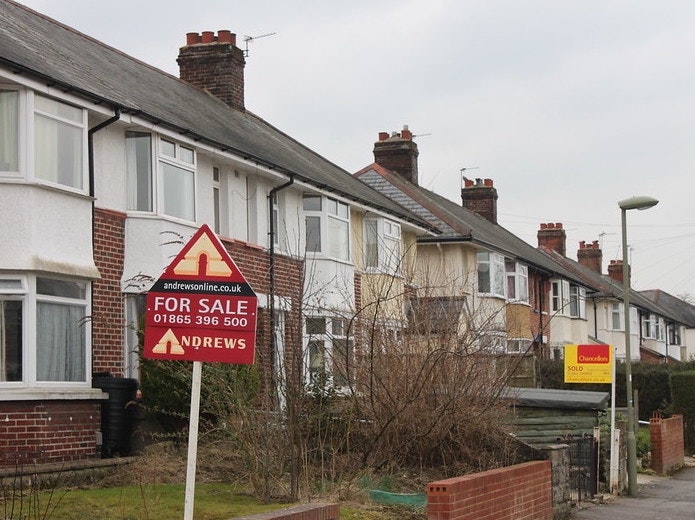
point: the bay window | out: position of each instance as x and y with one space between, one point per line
330 352
59 143
55 132
491 273
327 225
138 147
9 131
517 281
43 330
382 244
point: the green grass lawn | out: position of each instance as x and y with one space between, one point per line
147 502
153 502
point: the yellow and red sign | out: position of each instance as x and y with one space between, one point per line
201 308
588 364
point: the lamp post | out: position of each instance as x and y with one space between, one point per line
640 203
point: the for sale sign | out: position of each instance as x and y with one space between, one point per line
588 364
201 308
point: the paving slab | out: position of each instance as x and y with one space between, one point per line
658 498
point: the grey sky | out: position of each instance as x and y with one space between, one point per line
569 106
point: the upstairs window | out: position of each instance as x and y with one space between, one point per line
517 281
577 301
175 166
59 143
327 224
382 244
176 180
617 322
9 131
491 274
138 146
560 296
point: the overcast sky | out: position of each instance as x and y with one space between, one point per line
568 106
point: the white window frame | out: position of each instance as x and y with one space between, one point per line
333 218
60 121
517 281
382 245
560 297
617 313
494 273
18 145
182 162
577 302
327 340
27 150
26 291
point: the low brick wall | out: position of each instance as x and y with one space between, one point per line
668 443
40 432
519 492
303 512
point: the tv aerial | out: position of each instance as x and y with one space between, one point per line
248 39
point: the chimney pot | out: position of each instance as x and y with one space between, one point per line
192 38
225 36
468 183
207 37
406 134
383 136
488 182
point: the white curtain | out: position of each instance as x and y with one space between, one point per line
60 343
9 124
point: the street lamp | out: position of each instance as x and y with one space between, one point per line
640 203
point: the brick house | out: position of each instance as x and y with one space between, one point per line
107 167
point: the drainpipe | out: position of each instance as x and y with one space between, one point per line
90 166
271 274
90 146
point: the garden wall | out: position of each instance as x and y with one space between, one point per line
522 492
668 443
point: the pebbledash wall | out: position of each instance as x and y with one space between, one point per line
522 492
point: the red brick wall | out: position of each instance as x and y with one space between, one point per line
303 512
668 444
254 263
520 492
38 432
108 307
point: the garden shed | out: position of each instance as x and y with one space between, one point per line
542 416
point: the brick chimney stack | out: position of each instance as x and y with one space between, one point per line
590 255
615 270
481 197
398 153
215 64
553 237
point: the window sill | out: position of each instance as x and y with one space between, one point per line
51 394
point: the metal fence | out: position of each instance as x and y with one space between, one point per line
583 471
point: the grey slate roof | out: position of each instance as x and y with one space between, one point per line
458 224
605 287
680 309
33 44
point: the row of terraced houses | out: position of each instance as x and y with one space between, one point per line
108 165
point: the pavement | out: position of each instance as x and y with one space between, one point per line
658 498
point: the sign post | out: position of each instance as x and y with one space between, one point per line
200 309
596 364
